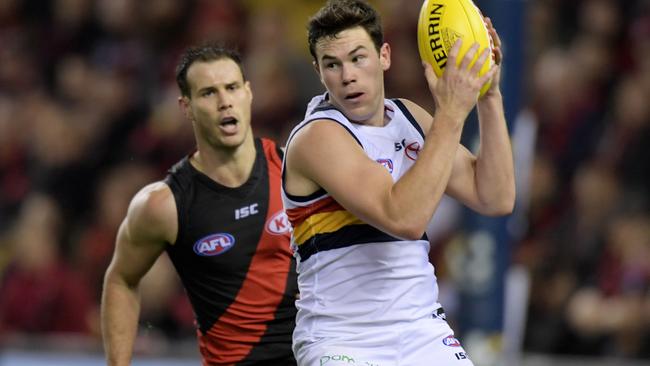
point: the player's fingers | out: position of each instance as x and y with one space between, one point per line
482 58
488 22
495 37
493 33
430 75
495 41
469 56
488 75
497 55
453 53
490 29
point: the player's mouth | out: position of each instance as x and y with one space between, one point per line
353 97
228 125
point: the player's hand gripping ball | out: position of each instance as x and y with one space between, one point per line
441 23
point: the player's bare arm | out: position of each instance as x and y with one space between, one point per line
494 168
323 154
494 163
484 182
150 224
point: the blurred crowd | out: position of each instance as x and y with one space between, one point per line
588 238
89 114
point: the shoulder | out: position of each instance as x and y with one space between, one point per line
321 141
322 132
152 213
422 117
408 103
323 154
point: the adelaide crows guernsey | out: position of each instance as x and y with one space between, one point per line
233 256
353 277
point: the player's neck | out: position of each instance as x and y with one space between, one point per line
378 119
228 167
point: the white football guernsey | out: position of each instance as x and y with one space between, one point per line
366 297
353 278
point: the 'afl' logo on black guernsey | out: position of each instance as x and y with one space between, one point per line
214 244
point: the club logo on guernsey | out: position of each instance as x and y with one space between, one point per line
412 150
214 244
387 163
451 341
278 224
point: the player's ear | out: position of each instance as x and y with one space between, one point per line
184 104
317 69
384 56
249 90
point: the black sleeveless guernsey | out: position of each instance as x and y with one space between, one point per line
233 256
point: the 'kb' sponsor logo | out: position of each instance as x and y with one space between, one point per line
278 224
214 244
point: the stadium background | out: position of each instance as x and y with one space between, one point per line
88 115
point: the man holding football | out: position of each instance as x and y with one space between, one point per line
359 206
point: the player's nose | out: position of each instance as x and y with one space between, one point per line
348 74
224 101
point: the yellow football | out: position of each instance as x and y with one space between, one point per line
441 23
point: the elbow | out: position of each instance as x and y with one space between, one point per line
113 277
501 208
500 211
500 203
412 235
410 230
397 223
508 202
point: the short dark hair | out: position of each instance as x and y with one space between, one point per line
339 15
203 53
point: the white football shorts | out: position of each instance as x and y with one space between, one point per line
426 342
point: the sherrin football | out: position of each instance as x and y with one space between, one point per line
441 22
